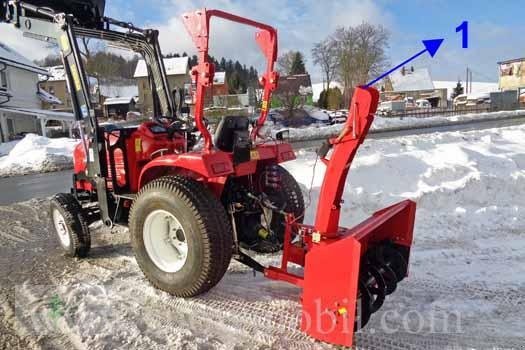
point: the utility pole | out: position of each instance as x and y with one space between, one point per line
471 81
466 83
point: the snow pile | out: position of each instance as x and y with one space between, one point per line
469 187
35 154
391 124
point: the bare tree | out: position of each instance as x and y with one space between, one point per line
370 55
324 54
285 62
361 53
87 51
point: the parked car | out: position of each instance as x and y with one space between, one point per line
410 103
471 100
338 117
423 104
460 101
474 100
301 118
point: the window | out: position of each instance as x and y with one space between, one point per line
3 80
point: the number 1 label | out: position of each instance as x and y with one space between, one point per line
464 29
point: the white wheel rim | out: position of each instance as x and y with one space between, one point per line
165 241
61 228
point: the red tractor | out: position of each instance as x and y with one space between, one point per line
193 201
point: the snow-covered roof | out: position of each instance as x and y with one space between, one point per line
219 78
115 90
477 87
12 58
419 79
41 113
174 66
118 101
47 97
56 73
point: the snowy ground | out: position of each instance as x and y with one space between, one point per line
36 154
466 287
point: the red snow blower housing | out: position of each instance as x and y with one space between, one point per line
191 209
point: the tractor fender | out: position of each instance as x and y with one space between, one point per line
198 165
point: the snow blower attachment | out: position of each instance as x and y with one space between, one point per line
347 272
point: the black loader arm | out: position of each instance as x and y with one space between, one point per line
61 22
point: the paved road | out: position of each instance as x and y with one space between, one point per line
21 188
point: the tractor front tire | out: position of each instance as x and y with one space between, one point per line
181 236
69 223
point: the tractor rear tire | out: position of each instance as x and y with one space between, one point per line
70 225
181 236
294 203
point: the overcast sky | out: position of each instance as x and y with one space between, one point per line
496 29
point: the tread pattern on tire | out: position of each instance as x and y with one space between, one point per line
214 226
294 195
74 219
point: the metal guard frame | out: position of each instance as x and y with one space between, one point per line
197 24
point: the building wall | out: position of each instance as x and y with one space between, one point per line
22 86
512 75
146 97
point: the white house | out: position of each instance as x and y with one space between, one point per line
21 98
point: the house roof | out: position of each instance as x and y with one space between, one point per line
118 101
294 83
419 79
12 58
55 73
116 90
512 61
47 97
174 66
40 113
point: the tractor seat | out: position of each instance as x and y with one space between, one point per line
231 130
232 135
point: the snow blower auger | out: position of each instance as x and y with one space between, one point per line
347 271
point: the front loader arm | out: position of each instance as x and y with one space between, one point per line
45 24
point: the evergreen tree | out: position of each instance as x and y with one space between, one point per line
458 90
298 66
321 103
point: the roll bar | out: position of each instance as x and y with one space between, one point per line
198 25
